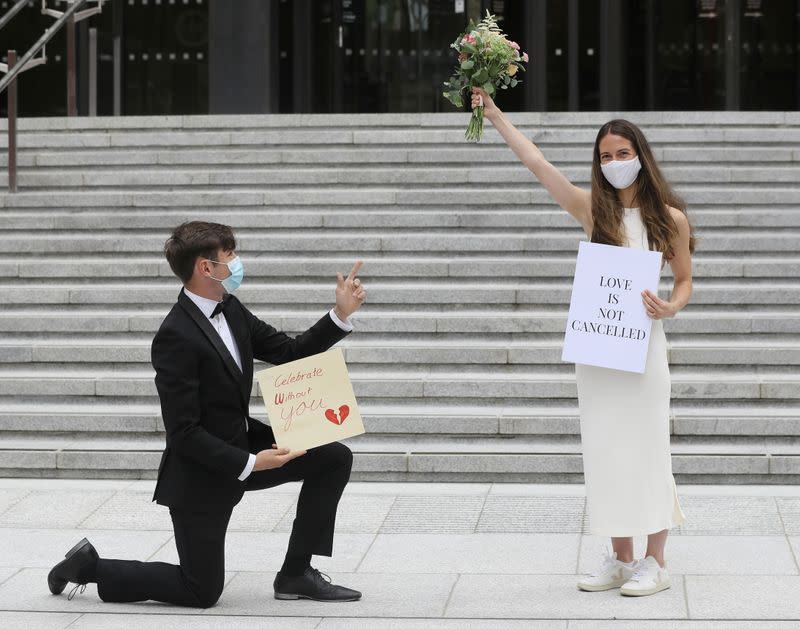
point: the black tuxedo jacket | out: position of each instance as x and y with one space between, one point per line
205 398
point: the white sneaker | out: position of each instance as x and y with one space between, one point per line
648 578
611 574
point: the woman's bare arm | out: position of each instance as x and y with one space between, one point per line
570 197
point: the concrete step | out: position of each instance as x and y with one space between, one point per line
761 460
280 175
521 193
706 219
76 161
315 269
397 242
483 385
86 321
732 119
445 294
99 415
661 133
536 350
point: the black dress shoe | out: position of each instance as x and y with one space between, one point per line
79 566
313 585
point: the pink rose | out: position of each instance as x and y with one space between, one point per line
525 57
514 45
468 39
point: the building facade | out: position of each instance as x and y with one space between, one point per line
322 56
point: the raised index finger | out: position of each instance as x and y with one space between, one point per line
355 269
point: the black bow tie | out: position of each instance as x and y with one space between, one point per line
221 306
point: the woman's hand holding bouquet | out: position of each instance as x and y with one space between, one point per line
487 60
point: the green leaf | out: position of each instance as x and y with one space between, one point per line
514 82
488 88
467 65
481 76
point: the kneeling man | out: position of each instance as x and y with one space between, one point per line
203 358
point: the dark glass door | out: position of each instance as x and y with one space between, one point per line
383 55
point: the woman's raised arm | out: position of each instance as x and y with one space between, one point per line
573 199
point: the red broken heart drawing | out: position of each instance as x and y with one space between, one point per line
339 418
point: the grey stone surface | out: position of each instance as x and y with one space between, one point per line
789 509
187 621
683 624
735 597
710 555
538 596
483 553
38 547
743 515
43 509
433 623
389 595
433 514
19 620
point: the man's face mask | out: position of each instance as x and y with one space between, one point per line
234 280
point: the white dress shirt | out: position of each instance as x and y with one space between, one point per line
220 324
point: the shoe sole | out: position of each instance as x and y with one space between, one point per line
295 597
655 590
600 588
57 587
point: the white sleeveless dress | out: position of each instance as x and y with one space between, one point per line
630 489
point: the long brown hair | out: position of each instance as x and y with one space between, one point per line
653 194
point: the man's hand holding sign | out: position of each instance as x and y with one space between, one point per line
310 402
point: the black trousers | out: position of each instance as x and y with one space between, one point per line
200 536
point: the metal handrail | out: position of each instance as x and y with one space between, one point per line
9 82
42 41
12 12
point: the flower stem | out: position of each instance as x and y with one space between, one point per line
475 127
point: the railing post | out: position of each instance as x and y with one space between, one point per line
92 71
12 125
72 104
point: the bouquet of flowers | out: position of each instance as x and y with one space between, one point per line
487 59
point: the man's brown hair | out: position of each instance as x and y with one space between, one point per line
196 239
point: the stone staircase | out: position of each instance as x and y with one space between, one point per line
456 359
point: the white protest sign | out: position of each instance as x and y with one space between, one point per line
607 324
310 402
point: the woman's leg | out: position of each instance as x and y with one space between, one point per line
623 546
655 546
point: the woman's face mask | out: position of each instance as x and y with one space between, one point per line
621 173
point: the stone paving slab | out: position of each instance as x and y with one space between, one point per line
22 620
389 595
550 596
737 597
425 555
42 548
710 555
40 508
491 553
682 624
126 621
429 623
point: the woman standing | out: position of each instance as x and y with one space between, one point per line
630 489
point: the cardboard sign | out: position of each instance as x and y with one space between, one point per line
607 324
310 402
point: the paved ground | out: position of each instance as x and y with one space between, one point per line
427 556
